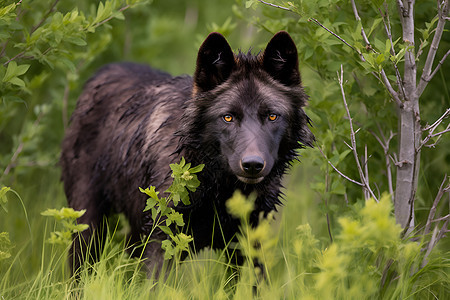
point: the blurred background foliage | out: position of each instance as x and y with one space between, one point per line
49 48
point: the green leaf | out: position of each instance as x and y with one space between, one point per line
63 213
150 204
380 59
3 198
175 217
5 246
166 230
196 169
167 246
79 228
13 70
375 23
151 192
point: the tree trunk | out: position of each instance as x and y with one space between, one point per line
409 127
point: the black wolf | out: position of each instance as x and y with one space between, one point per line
241 115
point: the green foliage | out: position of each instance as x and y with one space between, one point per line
3 198
67 218
5 246
255 243
162 211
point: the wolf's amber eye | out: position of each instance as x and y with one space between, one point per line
273 117
228 118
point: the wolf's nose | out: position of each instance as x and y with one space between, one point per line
252 165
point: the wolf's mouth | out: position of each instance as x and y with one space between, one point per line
250 180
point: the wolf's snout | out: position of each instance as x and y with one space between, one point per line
252 165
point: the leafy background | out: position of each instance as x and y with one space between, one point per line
49 48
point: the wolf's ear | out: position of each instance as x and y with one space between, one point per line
280 59
215 61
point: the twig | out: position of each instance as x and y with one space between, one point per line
14 57
45 17
444 218
363 33
111 17
274 5
435 237
339 172
438 198
366 170
428 78
353 138
314 20
427 75
385 145
387 28
438 121
390 89
432 128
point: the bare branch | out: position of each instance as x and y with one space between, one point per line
383 78
438 121
390 89
366 169
363 33
385 145
444 218
339 172
432 128
274 5
439 65
336 36
387 28
435 237
364 180
426 73
438 198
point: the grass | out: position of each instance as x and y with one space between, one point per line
301 261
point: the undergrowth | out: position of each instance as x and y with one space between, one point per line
368 259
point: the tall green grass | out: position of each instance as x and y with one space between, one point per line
367 259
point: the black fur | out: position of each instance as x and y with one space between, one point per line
131 122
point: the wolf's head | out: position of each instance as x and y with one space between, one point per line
249 108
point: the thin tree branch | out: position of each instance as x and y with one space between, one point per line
363 33
383 78
14 57
111 17
438 66
387 28
444 218
336 169
432 128
51 9
438 198
435 237
385 145
336 36
366 168
274 5
353 138
390 89
426 72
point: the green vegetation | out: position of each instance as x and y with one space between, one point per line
330 241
